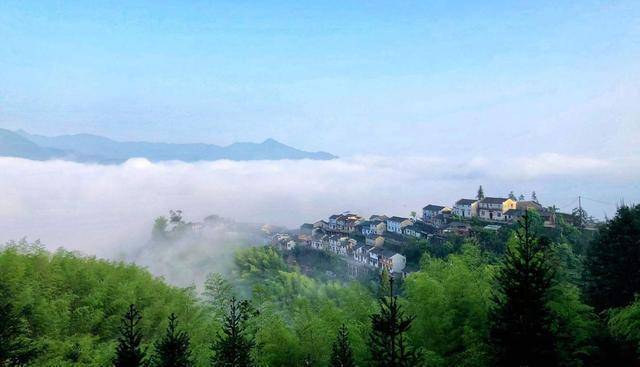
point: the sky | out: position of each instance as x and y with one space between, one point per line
351 78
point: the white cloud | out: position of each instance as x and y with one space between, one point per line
106 209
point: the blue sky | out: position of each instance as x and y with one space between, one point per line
346 77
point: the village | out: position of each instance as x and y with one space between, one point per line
373 243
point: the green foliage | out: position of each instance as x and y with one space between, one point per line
16 348
129 352
521 320
341 352
234 346
173 350
450 299
613 261
388 340
71 305
624 324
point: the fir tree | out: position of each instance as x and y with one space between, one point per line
521 197
16 348
512 196
612 264
388 342
521 321
129 352
173 349
480 194
341 353
233 346
534 197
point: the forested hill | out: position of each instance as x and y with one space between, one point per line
99 149
543 298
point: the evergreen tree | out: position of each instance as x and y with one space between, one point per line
480 194
521 321
388 342
612 264
129 352
233 347
16 348
521 197
512 196
534 197
341 353
173 349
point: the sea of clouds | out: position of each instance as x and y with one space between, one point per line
108 210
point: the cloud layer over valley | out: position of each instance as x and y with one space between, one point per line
109 210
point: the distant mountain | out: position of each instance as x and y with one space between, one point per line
94 148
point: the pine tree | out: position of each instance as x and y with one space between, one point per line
388 342
612 264
512 196
341 353
173 349
521 321
480 195
233 347
534 197
16 348
129 352
521 197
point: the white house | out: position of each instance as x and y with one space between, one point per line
430 211
466 208
395 224
494 208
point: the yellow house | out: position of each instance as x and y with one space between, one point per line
494 208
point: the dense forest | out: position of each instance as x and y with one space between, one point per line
527 295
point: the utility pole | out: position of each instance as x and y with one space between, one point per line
580 210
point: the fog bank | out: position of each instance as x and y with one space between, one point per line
109 210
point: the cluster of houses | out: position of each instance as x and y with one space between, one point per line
374 242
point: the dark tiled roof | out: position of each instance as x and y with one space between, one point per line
493 200
433 208
307 225
514 212
397 219
465 201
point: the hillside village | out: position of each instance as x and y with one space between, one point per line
373 243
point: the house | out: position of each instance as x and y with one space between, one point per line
374 240
321 224
395 224
493 209
361 254
466 208
512 215
418 229
379 217
430 211
459 228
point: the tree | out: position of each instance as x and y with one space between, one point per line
173 350
512 196
480 194
521 197
521 320
217 292
175 216
129 352
341 353
159 231
16 348
413 214
612 263
233 347
388 343
534 197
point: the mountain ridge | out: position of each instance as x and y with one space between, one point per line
84 147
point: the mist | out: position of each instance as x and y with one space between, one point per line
109 210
